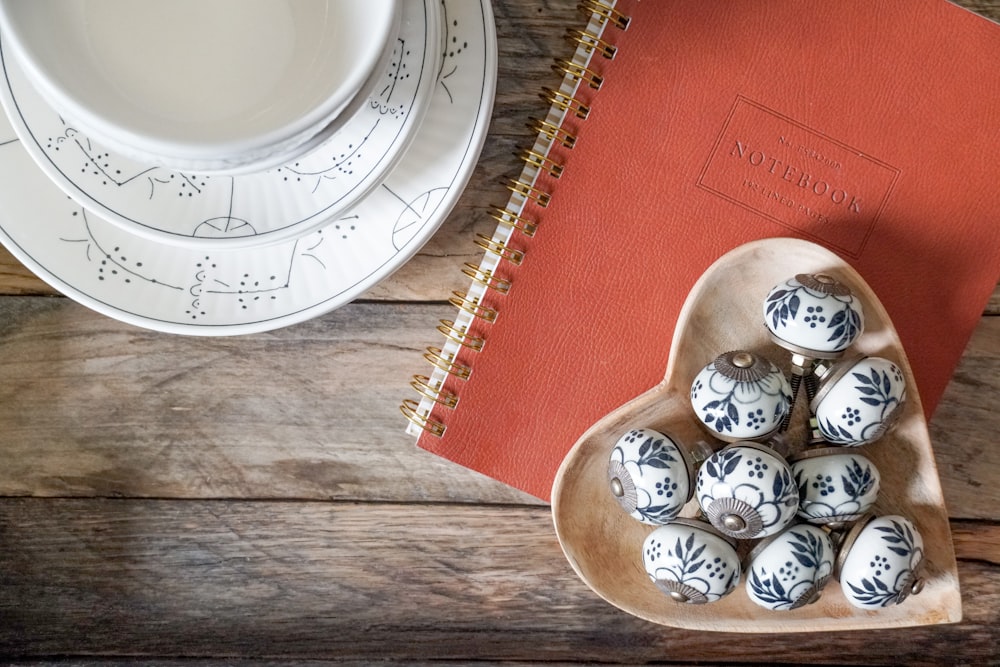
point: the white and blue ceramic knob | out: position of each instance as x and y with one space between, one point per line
814 315
790 569
691 562
836 485
747 491
741 396
650 476
880 562
858 400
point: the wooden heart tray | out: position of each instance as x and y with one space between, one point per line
724 312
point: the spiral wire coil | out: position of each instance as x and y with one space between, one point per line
503 247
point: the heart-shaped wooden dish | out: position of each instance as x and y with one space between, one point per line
724 312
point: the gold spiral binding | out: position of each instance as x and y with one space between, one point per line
472 306
579 73
591 43
518 222
540 197
447 363
410 410
434 391
486 278
606 12
539 161
565 102
499 248
460 335
553 132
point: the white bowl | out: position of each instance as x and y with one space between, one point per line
200 85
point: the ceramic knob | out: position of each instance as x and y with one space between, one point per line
836 485
649 475
741 396
858 400
747 491
814 315
880 561
691 562
790 569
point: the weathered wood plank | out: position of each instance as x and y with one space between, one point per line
977 541
89 406
93 407
988 8
16 279
346 580
965 424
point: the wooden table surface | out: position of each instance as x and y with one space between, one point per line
178 500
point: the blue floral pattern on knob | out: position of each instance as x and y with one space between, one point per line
835 486
813 314
690 563
741 396
648 476
747 491
882 566
859 400
791 570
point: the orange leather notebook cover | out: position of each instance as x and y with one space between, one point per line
867 126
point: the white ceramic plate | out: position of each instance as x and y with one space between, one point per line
223 211
223 292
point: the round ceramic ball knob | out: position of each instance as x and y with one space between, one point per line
691 562
741 396
814 315
649 475
747 491
836 485
858 400
790 569
880 562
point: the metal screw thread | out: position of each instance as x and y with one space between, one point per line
794 382
811 382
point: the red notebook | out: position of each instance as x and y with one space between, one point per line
870 127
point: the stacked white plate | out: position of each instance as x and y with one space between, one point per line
250 234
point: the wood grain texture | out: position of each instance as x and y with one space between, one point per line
93 407
333 580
